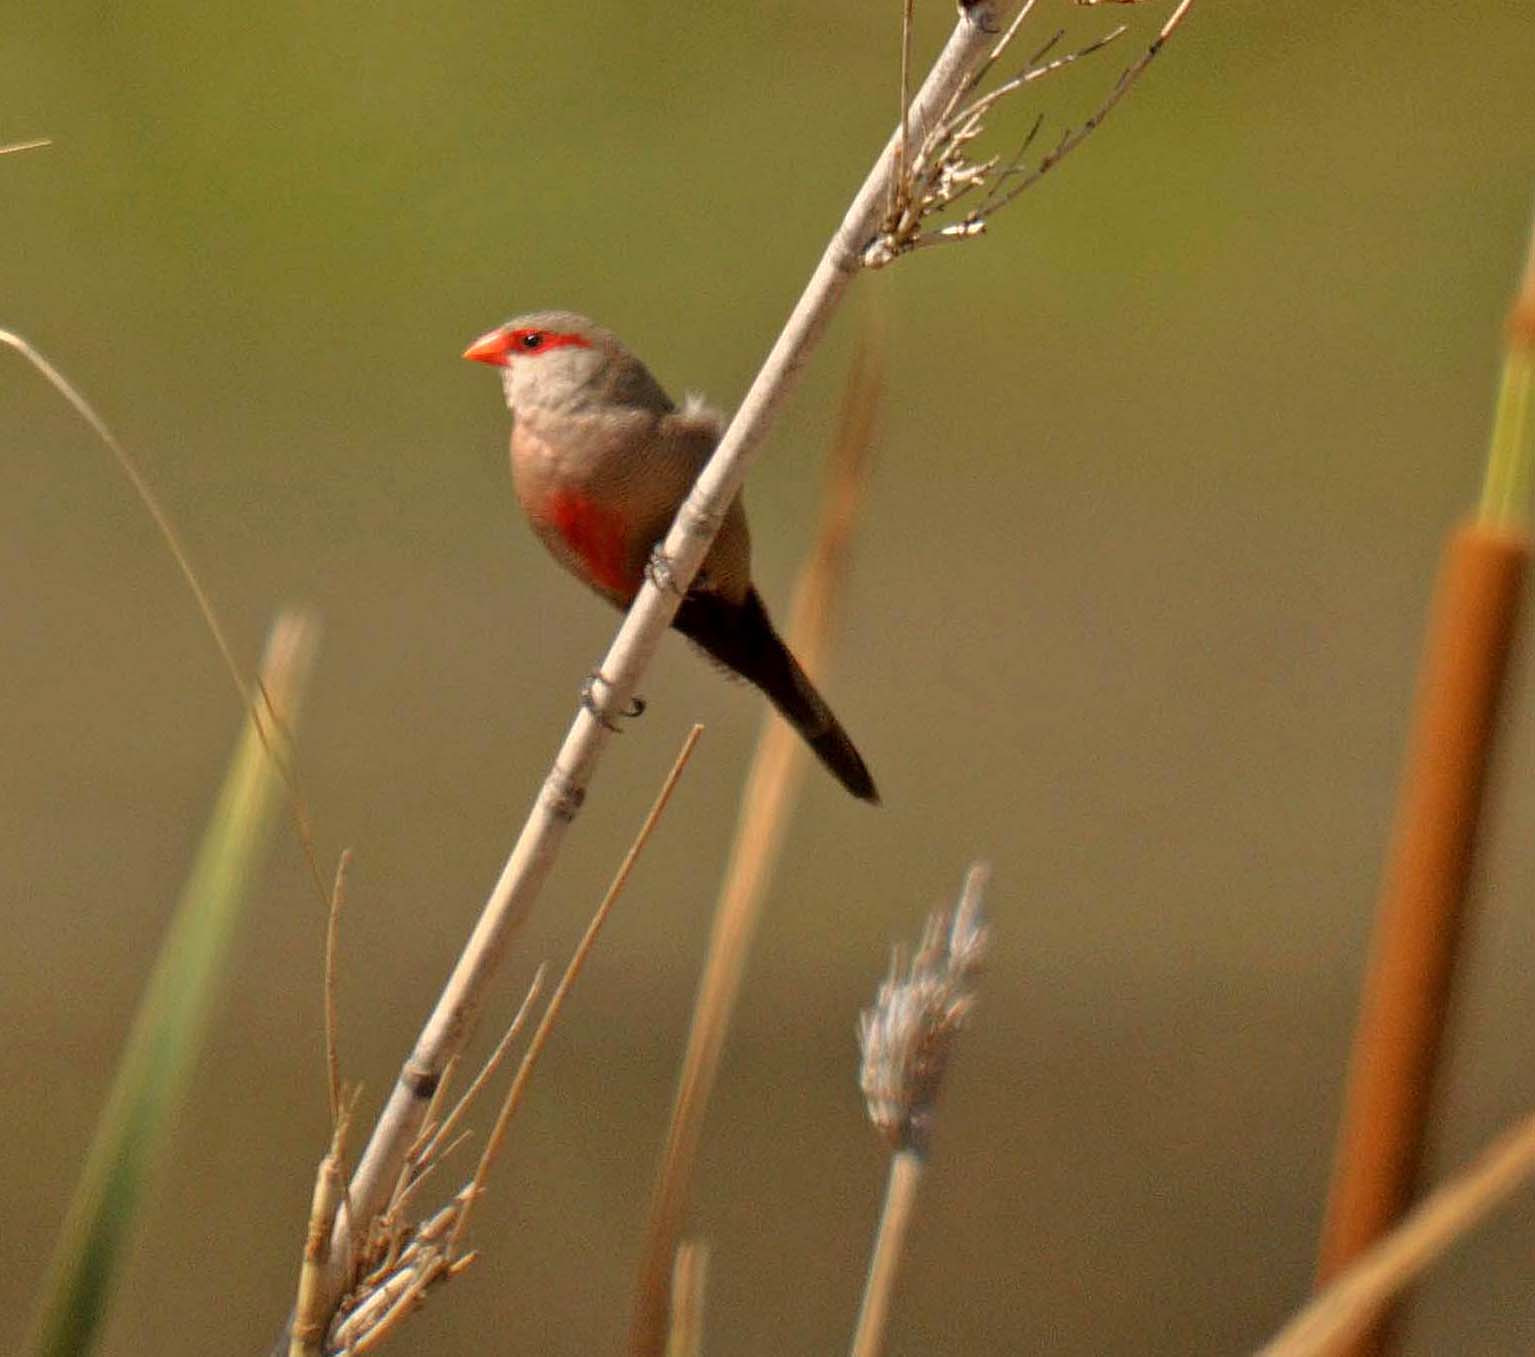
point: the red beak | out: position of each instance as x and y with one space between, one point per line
493 348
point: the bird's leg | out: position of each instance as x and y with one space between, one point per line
589 700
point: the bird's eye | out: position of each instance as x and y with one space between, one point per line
533 339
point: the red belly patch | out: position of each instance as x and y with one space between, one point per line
596 535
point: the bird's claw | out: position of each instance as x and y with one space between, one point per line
599 710
660 572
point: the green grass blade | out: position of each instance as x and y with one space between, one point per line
173 1015
1511 459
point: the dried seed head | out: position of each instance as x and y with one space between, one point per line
918 1010
941 192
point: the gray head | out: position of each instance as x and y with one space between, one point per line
557 360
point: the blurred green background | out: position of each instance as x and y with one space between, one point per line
1165 464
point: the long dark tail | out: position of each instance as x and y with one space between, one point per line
741 637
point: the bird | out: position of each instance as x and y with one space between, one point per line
602 459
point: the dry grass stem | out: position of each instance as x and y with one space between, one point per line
1341 1313
332 1020
274 736
147 497
439 1137
689 1280
577 962
687 542
400 1263
25 145
942 173
906 1168
906 1039
684 547
903 148
776 768
310 1317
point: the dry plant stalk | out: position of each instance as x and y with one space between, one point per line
890 1237
310 1319
577 963
332 1020
400 1260
689 1280
403 1262
1423 899
907 1039
1346 1308
32 145
685 545
683 549
767 798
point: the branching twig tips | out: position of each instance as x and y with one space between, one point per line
942 170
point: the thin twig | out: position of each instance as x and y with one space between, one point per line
1340 1313
578 958
433 1147
689 539
995 55
766 800
941 172
969 117
903 152
432 1123
402 1261
332 1022
26 145
1122 87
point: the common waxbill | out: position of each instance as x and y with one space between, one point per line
601 461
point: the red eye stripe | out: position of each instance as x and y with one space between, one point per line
540 341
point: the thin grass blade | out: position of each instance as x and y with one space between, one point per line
173 1015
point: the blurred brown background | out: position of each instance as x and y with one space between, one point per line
1165 465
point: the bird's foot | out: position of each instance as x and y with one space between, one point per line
660 571
598 708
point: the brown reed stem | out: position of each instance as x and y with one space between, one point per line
1422 906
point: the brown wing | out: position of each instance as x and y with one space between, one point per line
689 437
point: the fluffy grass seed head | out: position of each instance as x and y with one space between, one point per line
919 1009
